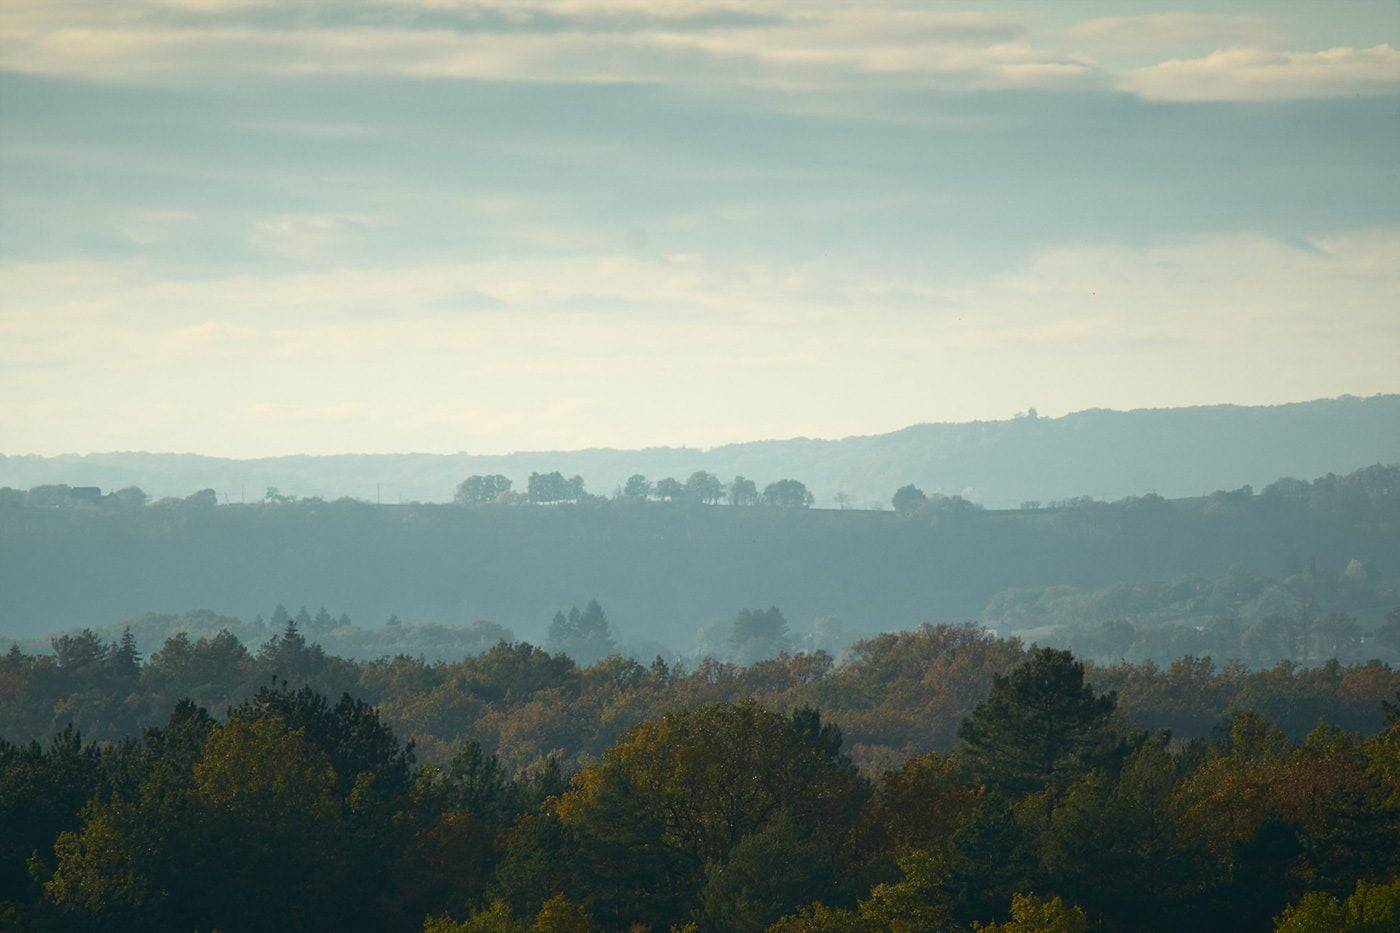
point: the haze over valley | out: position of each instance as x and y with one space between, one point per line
699 466
1104 454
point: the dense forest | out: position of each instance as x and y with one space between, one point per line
1185 576
938 779
1106 454
1195 698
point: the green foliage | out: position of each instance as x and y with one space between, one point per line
42 791
766 875
546 488
1371 908
584 636
788 493
637 488
758 634
742 491
556 915
704 487
1039 915
689 787
1190 576
1040 728
479 489
713 799
818 918
908 498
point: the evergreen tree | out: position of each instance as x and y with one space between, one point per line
758 634
124 661
1041 727
584 636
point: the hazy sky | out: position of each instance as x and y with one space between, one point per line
247 228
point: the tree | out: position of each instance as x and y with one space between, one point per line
478 489
81 654
985 861
286 655
1039 915
132 497
477 785
1389 633
767 874
704 487
757 634
1041 726
670 489
692 785
1127 830
208 671
561 915
742 491
269 809
139 860
920 804
124 660
637 488
541 859
1337 635
584 636
950 503
789 493
42 793
549 487
362 750
1371 908
322 623
908 498
204 499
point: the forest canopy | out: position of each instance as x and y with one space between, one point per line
727 798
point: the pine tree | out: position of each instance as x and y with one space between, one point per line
124 660
1041 727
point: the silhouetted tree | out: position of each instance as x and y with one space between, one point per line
908 498
1041 727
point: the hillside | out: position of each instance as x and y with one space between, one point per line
1174 452
663 570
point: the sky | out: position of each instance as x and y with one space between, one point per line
249 228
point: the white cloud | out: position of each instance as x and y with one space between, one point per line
752 43
306 236
767 45
1252 74
1169 30
615 349
154 226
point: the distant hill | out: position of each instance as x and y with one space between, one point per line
666 570
1105 454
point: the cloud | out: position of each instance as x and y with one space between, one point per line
1170 30
306 236
757 44
1252 74
752 43
147 227
616 349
